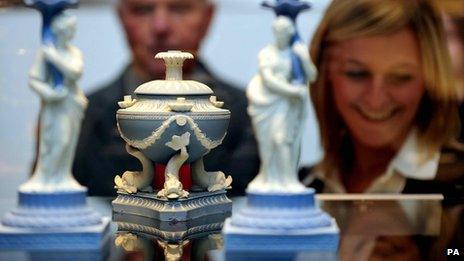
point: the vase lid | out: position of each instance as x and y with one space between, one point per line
174 84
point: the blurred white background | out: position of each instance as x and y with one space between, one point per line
240 29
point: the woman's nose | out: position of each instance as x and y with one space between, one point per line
376 95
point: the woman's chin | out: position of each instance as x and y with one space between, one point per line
377 140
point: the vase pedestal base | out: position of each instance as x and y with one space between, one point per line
197 205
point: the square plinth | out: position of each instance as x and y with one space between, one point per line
198 204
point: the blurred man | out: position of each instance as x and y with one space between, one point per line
153 26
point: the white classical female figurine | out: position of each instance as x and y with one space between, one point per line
277 106
281 216
52 213
62 110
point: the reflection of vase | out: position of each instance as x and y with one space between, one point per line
147 246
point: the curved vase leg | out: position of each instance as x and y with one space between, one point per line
132 181
172 186
212 181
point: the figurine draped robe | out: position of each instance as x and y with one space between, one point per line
61 114
278 108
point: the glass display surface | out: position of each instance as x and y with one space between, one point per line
384 227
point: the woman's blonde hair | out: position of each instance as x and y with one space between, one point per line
436 120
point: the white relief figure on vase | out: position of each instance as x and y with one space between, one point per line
62 109
277 106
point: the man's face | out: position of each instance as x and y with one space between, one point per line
154 26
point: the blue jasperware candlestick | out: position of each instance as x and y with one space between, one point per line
52 212
49 10
281 218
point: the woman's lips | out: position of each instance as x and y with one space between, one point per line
373 115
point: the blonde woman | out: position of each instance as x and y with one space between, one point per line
387 108
385 100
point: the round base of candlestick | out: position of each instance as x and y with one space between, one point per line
53 221
280 225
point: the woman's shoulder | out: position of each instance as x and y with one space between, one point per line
449 179
451 163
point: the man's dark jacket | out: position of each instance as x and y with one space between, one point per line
101 153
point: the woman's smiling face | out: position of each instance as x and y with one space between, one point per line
377 86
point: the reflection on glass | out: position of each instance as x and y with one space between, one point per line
148 247
143 238
385 227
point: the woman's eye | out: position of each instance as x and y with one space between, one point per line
357 75
400 78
